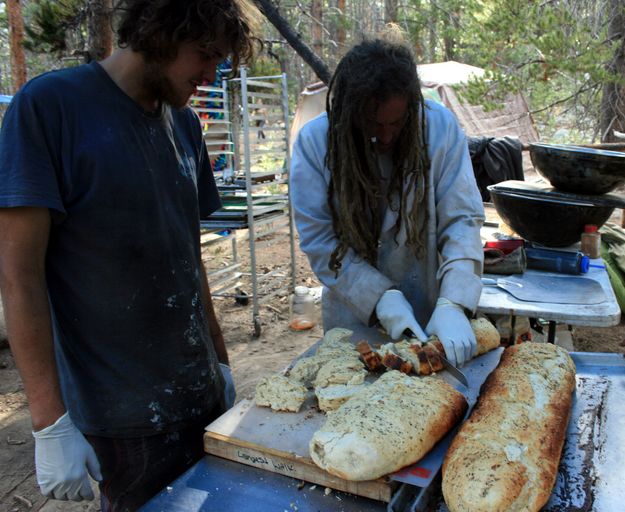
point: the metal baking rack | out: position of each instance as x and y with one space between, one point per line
255 114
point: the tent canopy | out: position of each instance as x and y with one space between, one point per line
450 73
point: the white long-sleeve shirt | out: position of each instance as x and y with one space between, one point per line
453 261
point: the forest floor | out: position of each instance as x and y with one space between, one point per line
251 358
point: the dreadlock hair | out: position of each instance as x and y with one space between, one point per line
155 28
371 73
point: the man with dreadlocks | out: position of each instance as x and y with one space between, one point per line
386 203
104 177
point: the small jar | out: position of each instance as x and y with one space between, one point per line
302 309
591 241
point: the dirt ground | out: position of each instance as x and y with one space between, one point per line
250 358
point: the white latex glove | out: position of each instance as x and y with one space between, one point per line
450 323
396 315
62 458
230 393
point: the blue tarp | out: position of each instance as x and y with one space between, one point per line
5 99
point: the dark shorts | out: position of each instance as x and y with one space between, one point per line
134 470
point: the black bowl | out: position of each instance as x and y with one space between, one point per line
578 169
546 221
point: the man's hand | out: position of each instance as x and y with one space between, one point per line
396 315
62 458
450 323
230 393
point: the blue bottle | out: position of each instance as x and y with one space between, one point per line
551 260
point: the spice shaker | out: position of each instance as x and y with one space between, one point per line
591 241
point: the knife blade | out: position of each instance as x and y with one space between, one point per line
453 371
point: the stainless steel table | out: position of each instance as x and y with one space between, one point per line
605 314
219 485
589 478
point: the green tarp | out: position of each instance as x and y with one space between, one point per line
613 254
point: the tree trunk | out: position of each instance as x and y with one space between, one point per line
613 100
433 37
390 11
100 41
340 31
294 39
16 38
316 11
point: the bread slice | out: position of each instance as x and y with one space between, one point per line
280 393
414 353
433 357
506 456
336 343
332 397
337 350
389 424
305 370
338 334
372 360
342 370
392 360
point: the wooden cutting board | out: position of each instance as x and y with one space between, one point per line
278 442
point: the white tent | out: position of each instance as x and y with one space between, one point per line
438 81
450 72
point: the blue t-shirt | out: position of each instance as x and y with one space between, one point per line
126 190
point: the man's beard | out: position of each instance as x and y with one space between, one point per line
160 87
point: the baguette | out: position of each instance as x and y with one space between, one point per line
389 424
486 335
505 457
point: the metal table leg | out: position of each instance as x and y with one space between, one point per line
551 334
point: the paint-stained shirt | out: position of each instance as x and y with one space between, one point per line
126 190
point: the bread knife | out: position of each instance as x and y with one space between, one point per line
454 372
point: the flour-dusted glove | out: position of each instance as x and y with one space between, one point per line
63 460
450 323
396 315
230 393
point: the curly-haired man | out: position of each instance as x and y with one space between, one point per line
386 204
104 177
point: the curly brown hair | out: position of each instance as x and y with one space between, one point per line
155 28
374 70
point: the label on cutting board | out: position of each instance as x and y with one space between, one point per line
256 458
265 462
476 371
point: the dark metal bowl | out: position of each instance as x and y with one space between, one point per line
578 169
545 221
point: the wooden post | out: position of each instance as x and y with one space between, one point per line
16 38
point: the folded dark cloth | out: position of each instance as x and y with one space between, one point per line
495 159
497 262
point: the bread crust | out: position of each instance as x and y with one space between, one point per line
506 455
486 335
386 426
